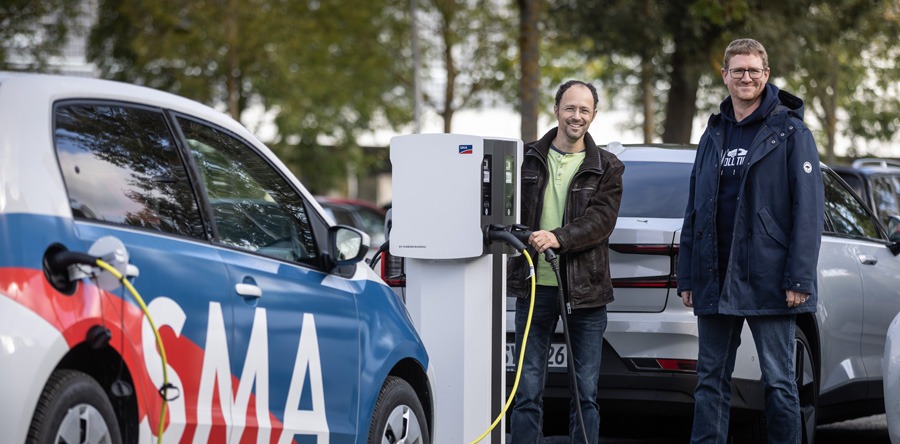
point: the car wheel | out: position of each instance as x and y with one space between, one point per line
398 417
807 379
73 408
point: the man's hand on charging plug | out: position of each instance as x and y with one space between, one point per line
542 240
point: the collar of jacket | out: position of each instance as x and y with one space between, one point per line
789 106
780 124
592 159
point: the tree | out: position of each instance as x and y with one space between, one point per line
529 66
846 66
32 32
467 47
674 45
324 71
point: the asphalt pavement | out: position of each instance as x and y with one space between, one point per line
868 430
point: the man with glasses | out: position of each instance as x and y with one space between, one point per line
750 243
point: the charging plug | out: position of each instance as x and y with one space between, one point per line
497 232
523 233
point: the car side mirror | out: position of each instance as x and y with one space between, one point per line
347 245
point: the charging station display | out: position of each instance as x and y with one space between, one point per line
447 188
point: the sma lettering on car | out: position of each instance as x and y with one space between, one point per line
216 372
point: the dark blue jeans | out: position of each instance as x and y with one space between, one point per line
720 336
586 327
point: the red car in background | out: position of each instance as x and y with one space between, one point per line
358 214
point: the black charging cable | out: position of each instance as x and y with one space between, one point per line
384 247
564 310
517 235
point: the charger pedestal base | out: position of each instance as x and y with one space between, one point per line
459 309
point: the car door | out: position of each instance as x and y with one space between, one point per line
125 178
295 344
878 269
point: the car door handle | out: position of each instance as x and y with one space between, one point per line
865 259
248 290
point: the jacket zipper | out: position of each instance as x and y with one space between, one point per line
580 172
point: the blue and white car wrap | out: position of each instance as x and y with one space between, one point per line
307 359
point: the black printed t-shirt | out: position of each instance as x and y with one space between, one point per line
736 151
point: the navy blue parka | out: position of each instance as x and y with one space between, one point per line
778 221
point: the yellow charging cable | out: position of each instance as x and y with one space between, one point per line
521 352
159 345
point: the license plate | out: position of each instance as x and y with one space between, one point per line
557 357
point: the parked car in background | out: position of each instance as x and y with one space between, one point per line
358 214
891 370
275 330
877 181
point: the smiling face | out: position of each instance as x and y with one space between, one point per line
745 91
574 115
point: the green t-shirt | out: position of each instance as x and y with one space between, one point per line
562 167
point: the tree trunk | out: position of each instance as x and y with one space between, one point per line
647 98
830 105
529 83
682 102
232 75
450 67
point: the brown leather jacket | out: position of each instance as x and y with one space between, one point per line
592 206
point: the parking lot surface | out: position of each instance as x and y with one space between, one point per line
869 430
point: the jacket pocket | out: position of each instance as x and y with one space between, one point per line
581 196
772 228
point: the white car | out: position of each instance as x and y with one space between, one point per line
650 347
891 372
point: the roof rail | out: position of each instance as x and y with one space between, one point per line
876 162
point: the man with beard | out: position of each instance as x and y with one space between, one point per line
750 242
571 190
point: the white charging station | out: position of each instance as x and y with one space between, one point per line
446 189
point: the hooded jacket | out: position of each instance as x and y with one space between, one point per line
778 219
592 205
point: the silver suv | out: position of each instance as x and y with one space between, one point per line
877 181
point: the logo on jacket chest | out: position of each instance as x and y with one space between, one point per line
733 158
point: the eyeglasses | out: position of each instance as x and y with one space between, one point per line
738 73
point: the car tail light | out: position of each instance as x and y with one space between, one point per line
687 365
393 270
666 365
663 281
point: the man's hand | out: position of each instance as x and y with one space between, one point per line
795 298
542 240
686 298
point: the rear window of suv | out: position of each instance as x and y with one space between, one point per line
655 189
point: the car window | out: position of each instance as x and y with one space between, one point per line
120 165
655 189
885 195
855 182
372 221
844 211
342 216
254 207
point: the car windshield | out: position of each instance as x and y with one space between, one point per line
655 189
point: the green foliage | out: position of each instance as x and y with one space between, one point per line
844 66
469 53
838 55
34 31
326 70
